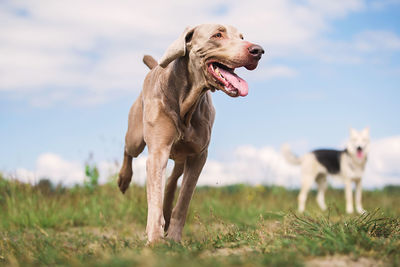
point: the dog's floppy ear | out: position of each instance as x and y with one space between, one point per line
177 48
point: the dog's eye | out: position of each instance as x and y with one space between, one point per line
241 37
217 35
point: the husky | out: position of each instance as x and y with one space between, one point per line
347 164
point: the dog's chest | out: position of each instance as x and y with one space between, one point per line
351 169
195 139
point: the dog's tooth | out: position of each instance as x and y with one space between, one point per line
216 70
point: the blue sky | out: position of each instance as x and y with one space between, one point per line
69 73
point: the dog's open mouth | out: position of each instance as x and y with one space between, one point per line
230 82
360 153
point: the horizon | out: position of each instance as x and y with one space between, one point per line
69 73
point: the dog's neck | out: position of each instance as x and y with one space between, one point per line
356 163
190 91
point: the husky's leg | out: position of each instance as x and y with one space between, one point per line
306 183
322 185
348 195
359 207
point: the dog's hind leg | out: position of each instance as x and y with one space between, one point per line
134 144
322 185
306 183
170 192
125 174
303 196
193 167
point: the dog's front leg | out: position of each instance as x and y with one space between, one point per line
159 137
170 192
349 196
193 167
155 167
359 207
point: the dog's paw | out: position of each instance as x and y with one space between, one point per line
301 209
123 183
175 236
361 211
349 210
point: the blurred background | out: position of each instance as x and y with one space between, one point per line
70 70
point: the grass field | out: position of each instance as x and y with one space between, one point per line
236 225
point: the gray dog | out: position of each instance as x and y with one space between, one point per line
174 114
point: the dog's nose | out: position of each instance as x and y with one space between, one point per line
359 149
256 51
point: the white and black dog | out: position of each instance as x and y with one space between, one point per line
348 164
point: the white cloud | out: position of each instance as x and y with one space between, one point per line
381 4
62 171
25 176
90 51
55 168
266 165
69 172
249 164
371 41
334 9
253 166
383 165
365 46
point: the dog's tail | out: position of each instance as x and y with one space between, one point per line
150 61
289 156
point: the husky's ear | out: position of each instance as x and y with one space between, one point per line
365 132
353 133
177 48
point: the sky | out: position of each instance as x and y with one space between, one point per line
70 70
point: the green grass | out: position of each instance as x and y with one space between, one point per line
235 225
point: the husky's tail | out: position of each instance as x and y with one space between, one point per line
289 156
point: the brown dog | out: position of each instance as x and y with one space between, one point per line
173 116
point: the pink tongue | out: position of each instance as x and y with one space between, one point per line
236 82
359 154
